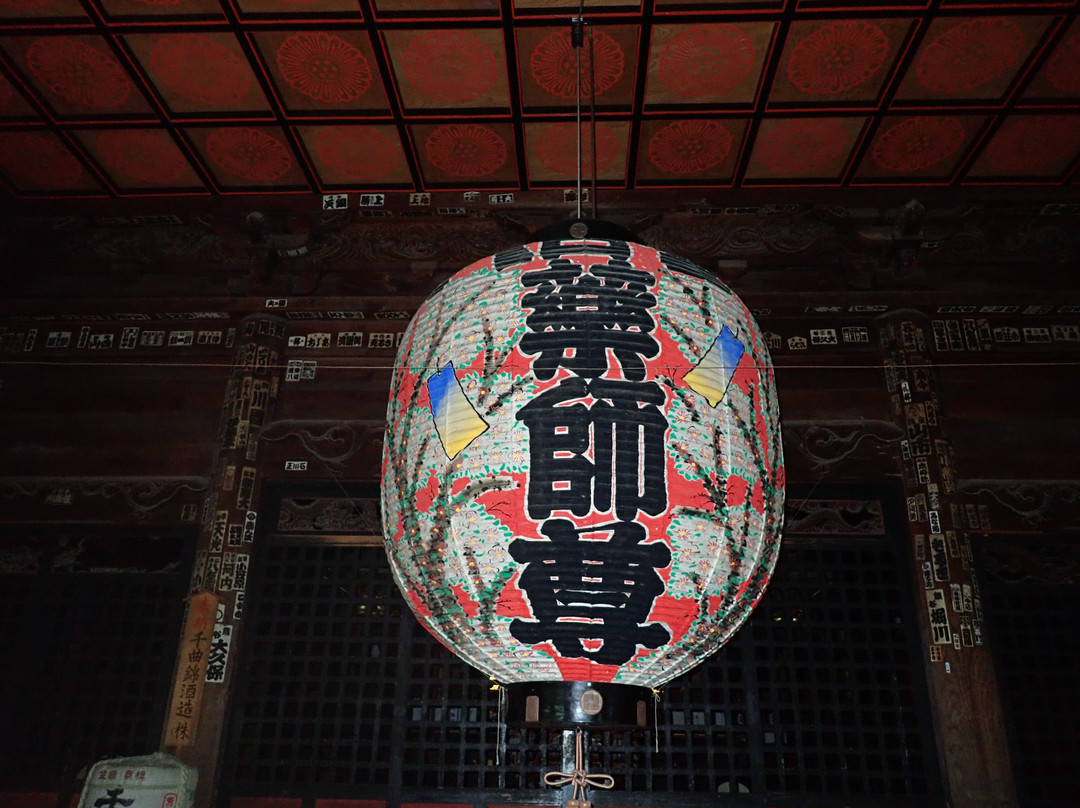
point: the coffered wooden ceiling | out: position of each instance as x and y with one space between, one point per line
128 98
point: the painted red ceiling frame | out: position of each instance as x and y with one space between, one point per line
757 126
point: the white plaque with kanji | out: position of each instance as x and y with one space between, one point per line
147 781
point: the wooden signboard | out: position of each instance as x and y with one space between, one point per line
190 678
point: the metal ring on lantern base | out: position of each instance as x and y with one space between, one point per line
573 704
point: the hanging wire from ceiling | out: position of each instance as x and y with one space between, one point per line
592 115
578 27
576 40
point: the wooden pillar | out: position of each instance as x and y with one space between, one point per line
194 728
974 755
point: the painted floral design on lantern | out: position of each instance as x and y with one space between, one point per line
249 154
802 147
324 67
838 57
573 417
31 159
1033 145
554 65
689 147
1063 69
706 60
452 66
78 72
970 54
358 154
142 156
557 149
916 143
200 69
466 150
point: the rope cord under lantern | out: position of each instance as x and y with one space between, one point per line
579 778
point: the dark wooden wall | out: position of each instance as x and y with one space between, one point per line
982 389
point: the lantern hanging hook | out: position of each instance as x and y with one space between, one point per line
577 41
579 778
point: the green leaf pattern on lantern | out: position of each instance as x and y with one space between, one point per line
477 328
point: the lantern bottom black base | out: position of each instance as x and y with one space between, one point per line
575 704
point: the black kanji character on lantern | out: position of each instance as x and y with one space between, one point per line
596 445
560 472
628 440
112 799
513 257
578 316
591 597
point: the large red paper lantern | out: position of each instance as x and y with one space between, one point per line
583 481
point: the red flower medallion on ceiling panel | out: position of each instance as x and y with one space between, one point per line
466 150
450 66
142 156
200 69
249 154
706 60
324 67
838 57
917 143
970 54
1039 144
802 147
554 65
557 150
35 160
689 147
358 154
79 73
1063 69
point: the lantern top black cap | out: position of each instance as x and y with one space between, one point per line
584 228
